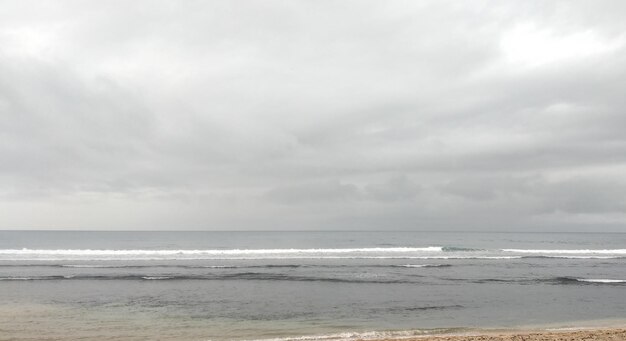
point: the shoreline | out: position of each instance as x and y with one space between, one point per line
602 331
583 333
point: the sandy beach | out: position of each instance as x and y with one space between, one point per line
577 335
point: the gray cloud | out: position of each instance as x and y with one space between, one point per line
312 114
397 188
314 192
585 196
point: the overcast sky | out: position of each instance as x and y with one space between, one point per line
325 115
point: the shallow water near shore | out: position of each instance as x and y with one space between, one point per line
266 285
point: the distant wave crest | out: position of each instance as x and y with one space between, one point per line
422 265
215 252
25 254
427 252
587 251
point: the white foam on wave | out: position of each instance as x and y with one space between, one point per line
265 257
600 280
421 265
586 251
87 266
16 278
583 257
156 277
430 252
216 252
368 335
235 254
464 257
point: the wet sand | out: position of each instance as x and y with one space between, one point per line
577 335
30 322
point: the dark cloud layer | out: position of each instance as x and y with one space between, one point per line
429 115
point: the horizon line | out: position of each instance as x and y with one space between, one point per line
227 231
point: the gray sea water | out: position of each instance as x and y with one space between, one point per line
333 285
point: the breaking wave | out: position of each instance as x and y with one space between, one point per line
574 280
587 251
422 265
69 254
429 252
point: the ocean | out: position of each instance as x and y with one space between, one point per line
305 285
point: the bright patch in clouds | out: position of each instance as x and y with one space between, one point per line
532 46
